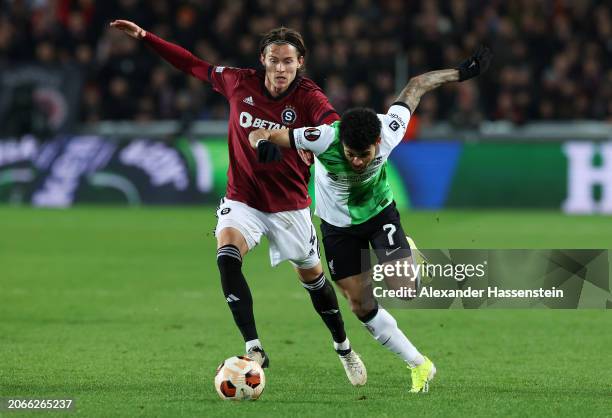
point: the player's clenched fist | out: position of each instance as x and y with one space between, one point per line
130 28
267 152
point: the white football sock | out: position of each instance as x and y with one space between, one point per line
252 343
345 345
383 328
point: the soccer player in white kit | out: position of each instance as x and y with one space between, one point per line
355 202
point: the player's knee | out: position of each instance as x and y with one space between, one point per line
232 236
310 275
407 287
361 307
228 258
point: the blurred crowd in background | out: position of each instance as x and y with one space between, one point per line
552 57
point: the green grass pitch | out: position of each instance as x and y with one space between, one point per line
122 310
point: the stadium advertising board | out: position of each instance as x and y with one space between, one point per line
91 169
575 177
589 177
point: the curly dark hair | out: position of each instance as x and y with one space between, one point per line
359 128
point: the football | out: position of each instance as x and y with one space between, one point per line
240 379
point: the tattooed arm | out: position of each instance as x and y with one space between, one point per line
421 84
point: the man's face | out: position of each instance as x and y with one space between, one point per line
282 63
360 160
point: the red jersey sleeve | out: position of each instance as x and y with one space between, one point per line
323 113
179 57
225 79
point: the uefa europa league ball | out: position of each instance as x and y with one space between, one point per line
240 379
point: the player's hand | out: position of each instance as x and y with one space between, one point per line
130 28
268 152
476 64
306 156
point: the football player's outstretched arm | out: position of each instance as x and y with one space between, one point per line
179 57
421 84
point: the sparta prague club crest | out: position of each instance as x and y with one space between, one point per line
288 116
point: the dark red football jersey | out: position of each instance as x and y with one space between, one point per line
270 187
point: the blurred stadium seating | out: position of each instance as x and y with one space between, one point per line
552 57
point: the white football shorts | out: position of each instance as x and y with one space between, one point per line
291 234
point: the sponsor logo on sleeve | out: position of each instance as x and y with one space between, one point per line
219 69
288 116
397 119
312 134
394 125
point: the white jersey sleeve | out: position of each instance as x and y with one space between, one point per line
394 125
315 139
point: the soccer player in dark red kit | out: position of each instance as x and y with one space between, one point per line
266 199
